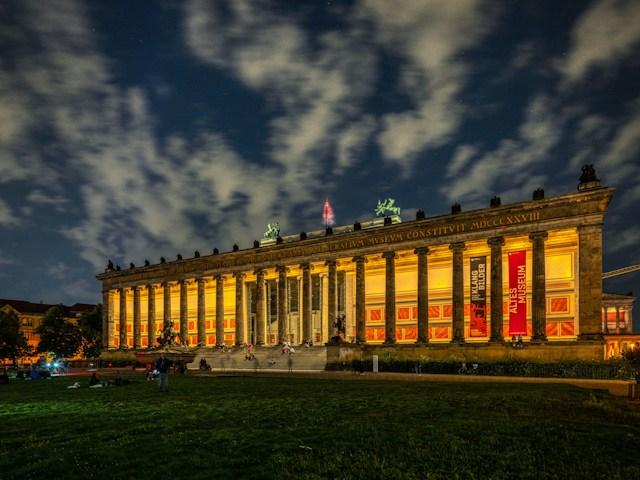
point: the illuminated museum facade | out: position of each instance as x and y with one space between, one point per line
531 269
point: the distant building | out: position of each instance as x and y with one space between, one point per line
31 314
617 323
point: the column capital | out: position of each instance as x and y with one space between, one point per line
389 255
239 275
538 236
259 272
359 259
421 251
332 262
282 269
219 277
305 266
457 246
495 241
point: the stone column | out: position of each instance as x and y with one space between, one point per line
184 313
538 296
240 323
496 244
137 337
361 332
123 318
166 300
390 298
219 310
151 316
324 307
307 320
202 316
617 320
423 296
332 300
283 310
260 319
590 281
107 319
458 292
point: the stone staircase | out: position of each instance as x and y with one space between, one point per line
266 359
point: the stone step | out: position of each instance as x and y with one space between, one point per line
265 358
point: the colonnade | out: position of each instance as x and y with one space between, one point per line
538 300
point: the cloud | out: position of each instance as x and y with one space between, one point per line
351 141
430 37
620 160
4 260
59 271
603 35
461 158
42 198
144 196
6 216
512 162
623 239
316 90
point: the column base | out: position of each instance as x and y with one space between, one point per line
496 340
457 341
391 341
538 339
421 343
590 337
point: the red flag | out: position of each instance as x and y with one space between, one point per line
327 213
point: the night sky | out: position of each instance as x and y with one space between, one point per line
131 130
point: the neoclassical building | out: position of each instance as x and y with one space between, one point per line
463 280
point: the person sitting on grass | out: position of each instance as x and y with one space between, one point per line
93 381
34 374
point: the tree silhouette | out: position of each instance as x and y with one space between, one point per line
58 335
90 325
13 343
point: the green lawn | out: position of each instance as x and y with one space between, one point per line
246 427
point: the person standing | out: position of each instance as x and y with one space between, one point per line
163 364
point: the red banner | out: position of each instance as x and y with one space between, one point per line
478 312
518 293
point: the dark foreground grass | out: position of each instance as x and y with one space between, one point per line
244 427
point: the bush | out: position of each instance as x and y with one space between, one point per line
612 369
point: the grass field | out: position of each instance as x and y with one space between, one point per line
246 427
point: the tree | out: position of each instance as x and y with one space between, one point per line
58 335
13 343
90 325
